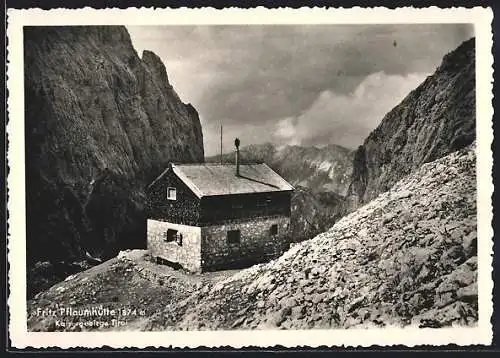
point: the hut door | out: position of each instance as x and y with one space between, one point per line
234 240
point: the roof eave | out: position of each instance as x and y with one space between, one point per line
159 177
248 193
271 169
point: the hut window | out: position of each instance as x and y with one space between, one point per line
171 193
233 237
274 229
171 235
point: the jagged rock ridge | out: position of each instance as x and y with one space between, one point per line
435 119
100 123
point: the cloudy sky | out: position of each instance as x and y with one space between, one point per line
296 84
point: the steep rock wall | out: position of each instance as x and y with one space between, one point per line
100 124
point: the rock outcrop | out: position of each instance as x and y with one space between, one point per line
100 124
435 119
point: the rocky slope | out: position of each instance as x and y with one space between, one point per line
409 257
435 119
100 123
326 169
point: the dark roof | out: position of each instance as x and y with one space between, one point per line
220 179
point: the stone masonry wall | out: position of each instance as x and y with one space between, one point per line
256 243
188 255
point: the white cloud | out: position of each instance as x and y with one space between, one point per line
332 118
285 128
348 119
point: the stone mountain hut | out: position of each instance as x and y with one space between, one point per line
206 217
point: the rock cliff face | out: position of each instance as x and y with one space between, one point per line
435 119
100 124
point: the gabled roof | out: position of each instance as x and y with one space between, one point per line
220 179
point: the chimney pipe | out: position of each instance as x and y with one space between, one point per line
237 145
221 144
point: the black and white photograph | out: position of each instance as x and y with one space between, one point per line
260 177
